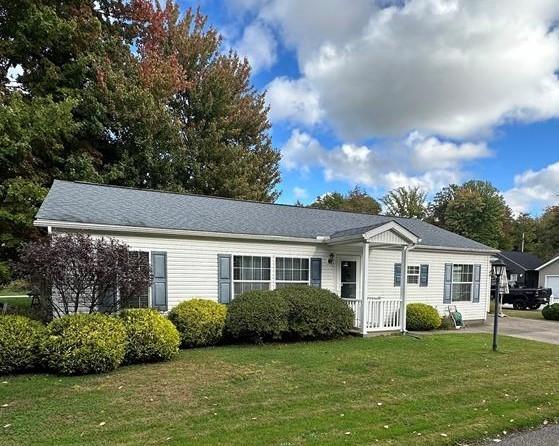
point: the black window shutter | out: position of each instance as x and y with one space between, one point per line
159 286
424 275
316 272
224 287
397 274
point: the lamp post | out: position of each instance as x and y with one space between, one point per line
498 269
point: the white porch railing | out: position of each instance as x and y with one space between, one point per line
382 314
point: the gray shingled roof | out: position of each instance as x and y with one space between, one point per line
110 205
523 259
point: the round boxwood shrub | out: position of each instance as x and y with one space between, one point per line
257 316
150 336
551 312
422 317
200 322
20 338
315 313
84 343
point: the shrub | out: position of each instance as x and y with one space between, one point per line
257 316
447 323
5 273
84 343
200 322
20 338
551 312
422 317
315 313
151 337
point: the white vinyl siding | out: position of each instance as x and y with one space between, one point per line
192 267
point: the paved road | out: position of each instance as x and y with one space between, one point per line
546 436
534 329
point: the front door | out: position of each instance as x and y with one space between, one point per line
348 279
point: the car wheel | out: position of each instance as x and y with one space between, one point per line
534 306
520 304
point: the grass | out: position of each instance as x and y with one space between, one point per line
352 391
19 302
524 314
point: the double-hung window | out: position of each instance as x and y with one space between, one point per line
250 273
462 282
413 275
291 271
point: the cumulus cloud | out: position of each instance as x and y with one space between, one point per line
258 45
293 100
534 187
383 167
432 153
453 68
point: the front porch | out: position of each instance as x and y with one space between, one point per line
372 313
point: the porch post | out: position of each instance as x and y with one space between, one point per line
403 285
364 285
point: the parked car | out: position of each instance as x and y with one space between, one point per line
527 298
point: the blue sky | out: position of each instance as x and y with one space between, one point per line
383 94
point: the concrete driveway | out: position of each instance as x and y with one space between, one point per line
536 330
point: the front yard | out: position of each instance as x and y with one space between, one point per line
439 389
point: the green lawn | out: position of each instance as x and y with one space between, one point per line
525 314
20 302
353 391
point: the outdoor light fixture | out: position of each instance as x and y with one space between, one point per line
331 258
498 269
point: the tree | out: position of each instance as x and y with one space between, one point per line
548 233
356 200
475 210
524 232
73 273
406 202
127 93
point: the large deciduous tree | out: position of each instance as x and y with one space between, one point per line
356 200
548 233
128 93
476 210
406 202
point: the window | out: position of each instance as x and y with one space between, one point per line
462 282
413 275
291 271
250 273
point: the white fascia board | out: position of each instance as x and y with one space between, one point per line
163 231
539 268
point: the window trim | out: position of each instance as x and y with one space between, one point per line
408 275
471 283
296 282
234 281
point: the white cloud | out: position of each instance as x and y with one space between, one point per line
432 153
258 45
531 188
453 68
293 100
383 167
300 192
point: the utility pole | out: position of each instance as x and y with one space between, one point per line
522 249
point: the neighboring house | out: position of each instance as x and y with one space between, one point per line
216 248
521 268
549 276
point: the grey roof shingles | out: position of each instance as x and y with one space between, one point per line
523 259
101 204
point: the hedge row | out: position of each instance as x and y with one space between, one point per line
96 343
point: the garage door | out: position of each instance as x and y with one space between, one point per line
553 283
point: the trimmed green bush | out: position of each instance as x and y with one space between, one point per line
551 312
20 338
315 313
257 316
200 322
422 317
151 337
84 343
